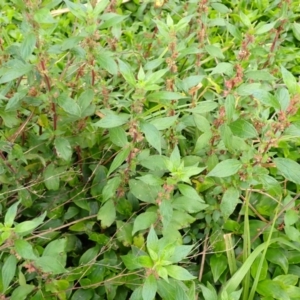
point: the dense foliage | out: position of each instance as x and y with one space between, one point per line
149 150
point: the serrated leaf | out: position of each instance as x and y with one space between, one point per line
288 168
144 221
111 121
226 168
43 16
107 214
63 148
179 273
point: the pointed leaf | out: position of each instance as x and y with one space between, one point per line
63 148
8 271
28 226
112 120
179 273
288 168
229 202
149 288
144 221
226 168
107 214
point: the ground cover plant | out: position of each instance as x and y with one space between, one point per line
149 149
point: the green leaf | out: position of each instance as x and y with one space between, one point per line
126 71
152 136
112 120
85 99
131 262
110 188
263 28
218 265
118 136
50 264
144 221
180 253
28 226
223 68
27 46
77 9
111 19
55 248
43 16
296 30
69 105
226 168
8 271
289 80
11 214
259 75
209 293
105 61
22 292
107 214
143 191
152 240
261 269
288 168
13 73
164 123
291 217
179 273
214 51
149 288
201 122
119 159
63 148
51 178
90 255
203 107
229 202
164 95
270 288
24 249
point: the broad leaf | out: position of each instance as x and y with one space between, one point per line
226 168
